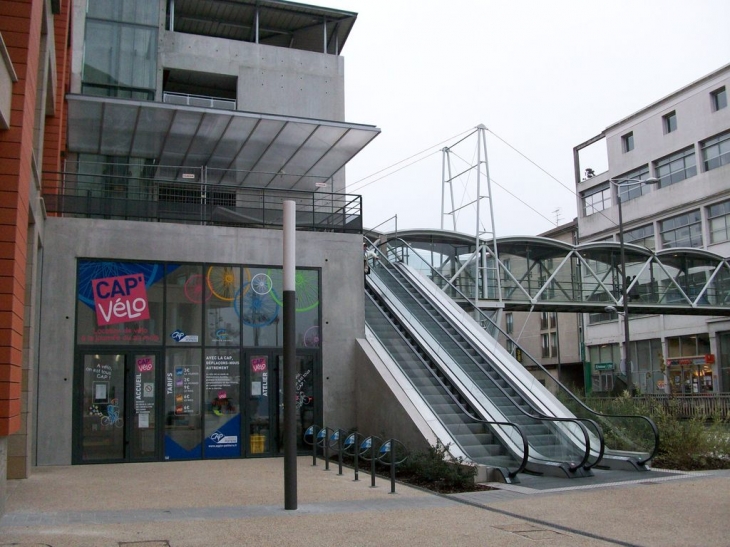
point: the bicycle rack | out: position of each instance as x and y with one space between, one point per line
370 447
337 439
373 449
390 448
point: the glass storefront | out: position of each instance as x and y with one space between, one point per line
184 361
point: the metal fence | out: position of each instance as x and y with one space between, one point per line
141 194
689 406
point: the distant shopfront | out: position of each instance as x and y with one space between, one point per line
183 361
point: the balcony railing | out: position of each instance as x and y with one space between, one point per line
123 197
184 99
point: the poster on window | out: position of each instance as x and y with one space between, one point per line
222 389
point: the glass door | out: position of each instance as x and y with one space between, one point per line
103 408
142 374
259 410
117 403
307 394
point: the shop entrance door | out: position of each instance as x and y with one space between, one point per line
116 407
265 398
307 398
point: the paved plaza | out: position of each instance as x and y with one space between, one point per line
241 502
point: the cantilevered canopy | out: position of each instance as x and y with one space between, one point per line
238 148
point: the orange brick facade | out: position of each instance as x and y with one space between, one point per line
21 23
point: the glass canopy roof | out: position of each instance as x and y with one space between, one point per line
266 150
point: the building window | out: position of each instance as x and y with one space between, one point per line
554 344
628 141
643 235
545 339
676 167
596 199
632 190
544 324
682 231
670 122
716 151
120 50
719 99
719 218
509 320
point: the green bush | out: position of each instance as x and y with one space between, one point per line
438 470
701 442
692 444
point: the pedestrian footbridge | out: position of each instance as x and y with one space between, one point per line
535 273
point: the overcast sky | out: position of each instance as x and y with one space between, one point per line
542 76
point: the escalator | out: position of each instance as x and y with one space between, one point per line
562 431
473 438
557 446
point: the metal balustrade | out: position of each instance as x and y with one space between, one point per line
172 194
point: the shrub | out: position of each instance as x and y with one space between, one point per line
438 470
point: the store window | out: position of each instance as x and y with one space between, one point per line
682 231
718 216
683 346
119 303
676 167
217 329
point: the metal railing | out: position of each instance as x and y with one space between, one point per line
186 99
154 199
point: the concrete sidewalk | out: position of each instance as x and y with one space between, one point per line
241 502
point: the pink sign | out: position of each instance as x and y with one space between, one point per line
144 364
120 299
258 364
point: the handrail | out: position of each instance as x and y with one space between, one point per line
525 444
652 452
539 417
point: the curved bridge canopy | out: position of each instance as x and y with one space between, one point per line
544 274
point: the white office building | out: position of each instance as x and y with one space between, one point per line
683 140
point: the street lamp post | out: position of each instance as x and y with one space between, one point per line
624 285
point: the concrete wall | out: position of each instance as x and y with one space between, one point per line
383 408
271 80
338 255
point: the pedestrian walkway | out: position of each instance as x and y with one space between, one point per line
241 502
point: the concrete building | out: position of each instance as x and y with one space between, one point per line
147 147
684 141
551 337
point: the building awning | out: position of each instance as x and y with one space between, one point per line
237 148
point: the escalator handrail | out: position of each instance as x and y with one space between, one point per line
539 417
525 444
652 425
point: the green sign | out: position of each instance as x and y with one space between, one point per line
604 366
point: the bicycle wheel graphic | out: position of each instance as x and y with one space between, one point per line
254 309
197 290
261 283
225 281
311 337
306 285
